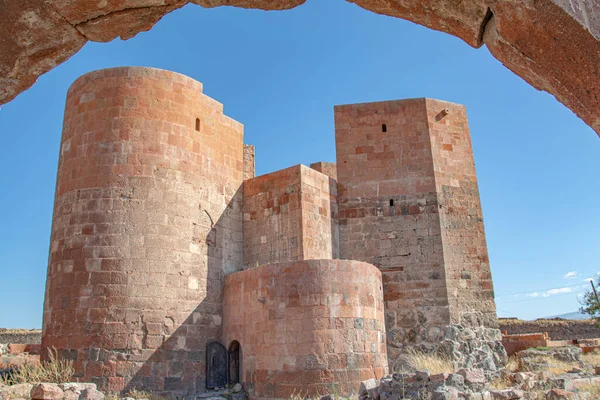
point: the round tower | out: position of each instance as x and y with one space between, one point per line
306 327
147 220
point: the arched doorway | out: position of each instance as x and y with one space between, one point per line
216 365
235 362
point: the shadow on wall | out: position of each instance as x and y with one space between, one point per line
179 364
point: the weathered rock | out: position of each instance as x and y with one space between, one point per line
445 393
422 375
559 383
91 394
35 39
552 44
76 386
473 376
559 394
438 378
390 396
474 396
126 23
21 390
455 380
46 391
237 388
71 395
566 354
369 387
507 394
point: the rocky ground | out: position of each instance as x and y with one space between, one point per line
543 374
535 374
89 391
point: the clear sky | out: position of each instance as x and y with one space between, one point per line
280 74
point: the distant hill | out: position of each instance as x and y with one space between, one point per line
572 315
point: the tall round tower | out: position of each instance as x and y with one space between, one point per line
147 220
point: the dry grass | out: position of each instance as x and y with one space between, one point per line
141 394
298 396
594 390
556 367
513 363
112 396
54 370
592 358
434 363
501 382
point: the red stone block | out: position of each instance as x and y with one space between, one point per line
33 349
116 384
14 348
46 391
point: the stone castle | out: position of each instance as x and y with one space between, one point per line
173 268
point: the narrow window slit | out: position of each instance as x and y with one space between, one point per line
383 128
391 202
198 124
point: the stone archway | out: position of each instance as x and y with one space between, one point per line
553 44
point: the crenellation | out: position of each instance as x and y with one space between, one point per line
164 242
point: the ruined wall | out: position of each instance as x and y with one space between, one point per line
147 220
396 173
288 217
468 274
558 329
310 327
249 164
33 336
327 168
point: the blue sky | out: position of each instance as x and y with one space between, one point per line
280 74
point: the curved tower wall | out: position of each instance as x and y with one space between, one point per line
147 220
306 328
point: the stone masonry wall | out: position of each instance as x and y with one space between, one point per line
288 217
468 275
272 218
249 164
327 168
307 328
147 221
388 213
320 233
409 204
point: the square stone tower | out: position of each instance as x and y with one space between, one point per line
409 204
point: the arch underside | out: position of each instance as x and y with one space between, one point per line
553 44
